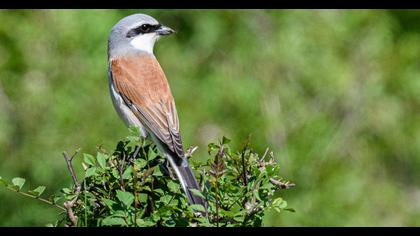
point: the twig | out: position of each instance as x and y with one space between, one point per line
282 185
135 188
119 165
244 170
136 152
265 154
35 197
70 167
69 208
190 151
68 205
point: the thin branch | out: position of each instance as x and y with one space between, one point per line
120 171
190 151
41 199
70 167
282 185
69 208
70 204
136 152
245 179
265 154
135 188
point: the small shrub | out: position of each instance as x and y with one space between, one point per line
132 186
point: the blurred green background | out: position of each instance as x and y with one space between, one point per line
335 94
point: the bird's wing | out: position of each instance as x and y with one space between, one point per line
142 84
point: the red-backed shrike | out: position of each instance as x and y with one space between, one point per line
141 93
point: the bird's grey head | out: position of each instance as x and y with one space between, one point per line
135 32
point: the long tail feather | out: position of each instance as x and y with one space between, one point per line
187 179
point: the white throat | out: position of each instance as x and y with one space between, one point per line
145 42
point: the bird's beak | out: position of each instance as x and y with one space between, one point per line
164 30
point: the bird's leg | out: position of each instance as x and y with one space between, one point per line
166 169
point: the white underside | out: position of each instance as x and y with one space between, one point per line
145 42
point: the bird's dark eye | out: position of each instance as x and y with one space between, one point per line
145 28
142 29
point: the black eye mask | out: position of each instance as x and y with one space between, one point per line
142 29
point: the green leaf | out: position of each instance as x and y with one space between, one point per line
89 159
3 182
109 203
125 197
142 197
157 172
113 221
279 204
91 171
101 158
38 191
290 209
54 198
197 193
229 214
66 191
144 223
198 207
213 146
165 199
18 182
151 154
127 173
159 191
225 140
173 187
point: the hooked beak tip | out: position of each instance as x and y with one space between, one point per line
165 30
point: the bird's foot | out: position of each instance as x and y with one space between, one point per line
166 169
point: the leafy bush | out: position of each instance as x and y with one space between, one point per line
133 186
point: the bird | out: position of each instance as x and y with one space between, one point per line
141 94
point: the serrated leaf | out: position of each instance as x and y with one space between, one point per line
38 191
125 197
198 207
89 159
18 182
91 171
113 221
197 193
101 158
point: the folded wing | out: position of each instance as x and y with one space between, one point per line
140 81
